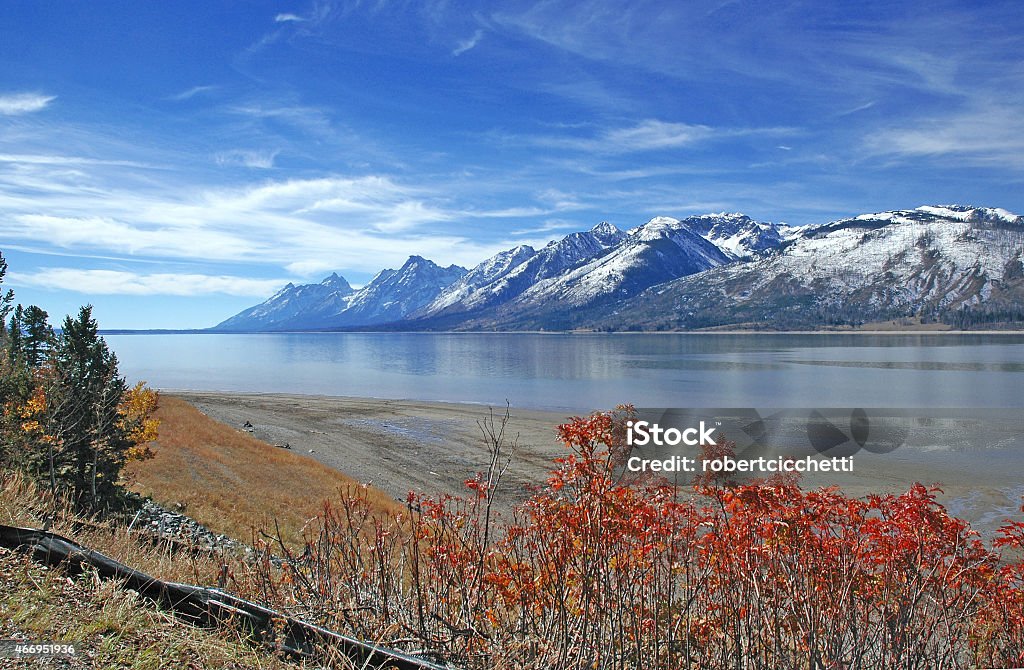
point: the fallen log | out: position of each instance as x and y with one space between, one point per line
212 607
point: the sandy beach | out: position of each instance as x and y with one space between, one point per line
432 447
396 445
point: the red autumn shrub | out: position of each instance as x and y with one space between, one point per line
592 572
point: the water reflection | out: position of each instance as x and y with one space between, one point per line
582 372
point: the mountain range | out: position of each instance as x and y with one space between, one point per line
952 264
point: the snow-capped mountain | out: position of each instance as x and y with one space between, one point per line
508 274
471 288
293 303
658 251
738 235
930 263
390 296
956 264
393 294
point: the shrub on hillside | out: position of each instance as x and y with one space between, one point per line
595 573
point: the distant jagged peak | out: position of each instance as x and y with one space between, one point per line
662 226
658 222
382 275
500 262
416 262
721 216
702 221
656 227
605 228
968 214
604 234
607 234
337 282
971 213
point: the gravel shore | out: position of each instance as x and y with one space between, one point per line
433 447
396 445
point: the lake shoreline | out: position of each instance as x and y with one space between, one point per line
434 447
396 445
579 373
734 331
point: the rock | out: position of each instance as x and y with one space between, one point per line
183 529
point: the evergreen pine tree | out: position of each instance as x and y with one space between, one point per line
84 411
37 336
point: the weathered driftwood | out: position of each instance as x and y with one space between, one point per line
212 607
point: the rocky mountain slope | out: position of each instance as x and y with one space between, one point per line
509 274
390 296
957 264
293 304
658 251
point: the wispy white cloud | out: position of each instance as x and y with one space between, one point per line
805 50
651 135
117 282
313 121
191 93
315 267
570 26
858 108
548 227
263 160
288 18
654 134
13 104
507 213
467 44
985 134
601 169
129 237
44 159
299 225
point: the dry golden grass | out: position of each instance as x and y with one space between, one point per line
231 482
110 627
24 503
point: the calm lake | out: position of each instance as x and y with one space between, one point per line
584 372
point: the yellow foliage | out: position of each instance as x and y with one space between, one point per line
36 404
31 414
135 410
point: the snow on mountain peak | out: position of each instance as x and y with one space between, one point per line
927 259
337 283
605 228
726 216
962 213
969 213
659 226
659 222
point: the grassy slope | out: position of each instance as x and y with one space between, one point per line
230 481
109 627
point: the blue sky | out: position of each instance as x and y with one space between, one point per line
174 162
